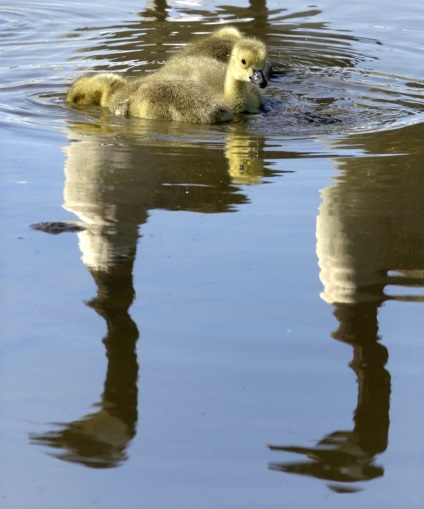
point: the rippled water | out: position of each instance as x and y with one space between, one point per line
257 287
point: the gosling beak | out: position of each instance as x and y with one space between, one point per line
258 78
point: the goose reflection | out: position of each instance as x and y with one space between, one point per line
111 186
370 235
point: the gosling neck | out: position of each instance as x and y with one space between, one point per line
234 92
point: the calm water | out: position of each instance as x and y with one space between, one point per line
237 321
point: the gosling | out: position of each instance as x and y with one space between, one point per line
217 45
195 87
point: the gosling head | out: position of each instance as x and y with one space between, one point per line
228 32
248 61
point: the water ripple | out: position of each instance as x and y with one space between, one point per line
324 79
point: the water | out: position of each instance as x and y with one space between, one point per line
236 318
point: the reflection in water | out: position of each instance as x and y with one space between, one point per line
156 10
245 158
111 187
348 455
108 245
370 235
100 439
256 13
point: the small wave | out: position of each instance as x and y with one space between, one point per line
319 86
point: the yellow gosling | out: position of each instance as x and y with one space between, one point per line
191 87
218 45
97 90
244 74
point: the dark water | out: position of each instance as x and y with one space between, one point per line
233 315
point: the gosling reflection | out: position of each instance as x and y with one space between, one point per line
108 245
100 439
112 186
369 244
347 456
245 159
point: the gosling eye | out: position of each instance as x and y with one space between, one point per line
243 61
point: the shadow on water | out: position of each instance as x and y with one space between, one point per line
369 242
